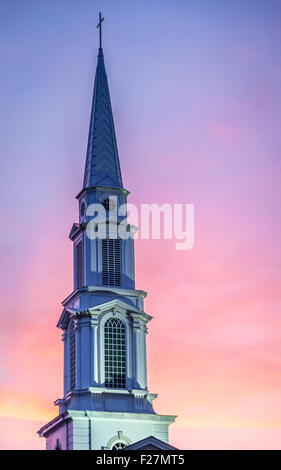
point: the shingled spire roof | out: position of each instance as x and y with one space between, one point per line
102 162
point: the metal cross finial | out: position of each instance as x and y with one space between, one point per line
99 26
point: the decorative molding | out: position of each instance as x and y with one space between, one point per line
74 231
98 401
118 290
151 397
152 443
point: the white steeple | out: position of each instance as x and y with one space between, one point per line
106 402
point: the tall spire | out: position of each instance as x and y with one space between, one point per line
102 162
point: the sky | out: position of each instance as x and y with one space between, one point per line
195 88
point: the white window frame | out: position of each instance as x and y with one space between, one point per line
128 339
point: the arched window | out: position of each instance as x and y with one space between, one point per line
115 353
72 356
117 442
118 445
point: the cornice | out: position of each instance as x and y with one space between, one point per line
118 290
114 290
55 422
102 188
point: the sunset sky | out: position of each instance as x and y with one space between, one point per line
196 95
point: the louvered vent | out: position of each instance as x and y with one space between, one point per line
79 264
111 262
72 357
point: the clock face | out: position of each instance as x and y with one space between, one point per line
82 209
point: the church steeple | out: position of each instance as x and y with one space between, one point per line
102 162
106 403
